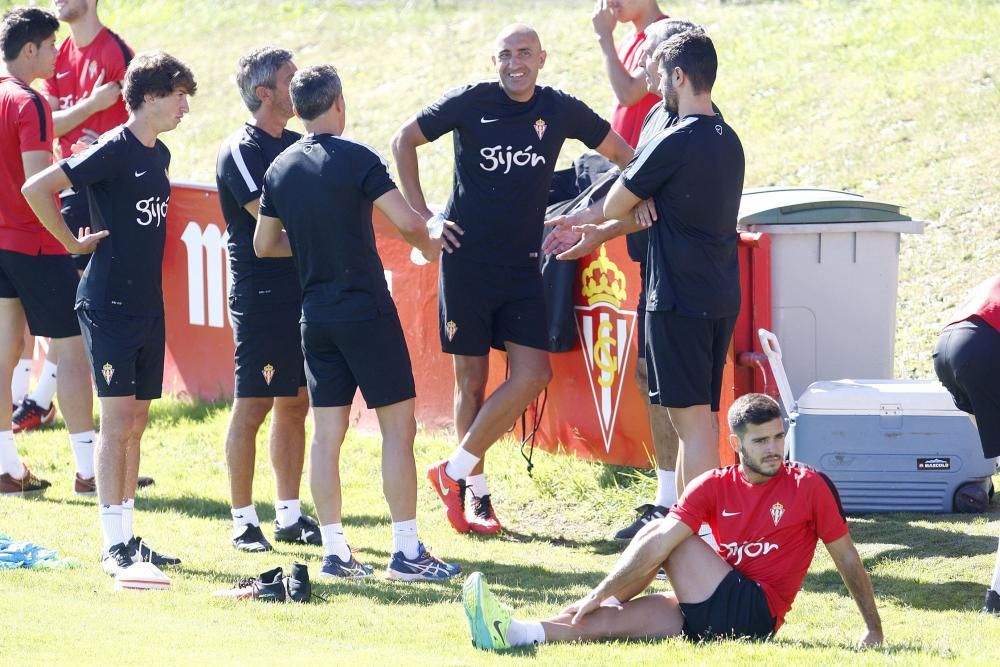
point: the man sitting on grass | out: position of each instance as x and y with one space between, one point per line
766 515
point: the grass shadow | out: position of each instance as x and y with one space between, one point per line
183 408
622 477
598 545
919 541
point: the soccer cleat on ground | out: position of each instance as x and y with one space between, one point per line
350 569
252 540
142 553
452 494
268 587
29 416
647 513
303 531
484 519
116 559
992 603
424 567
11 486
488 619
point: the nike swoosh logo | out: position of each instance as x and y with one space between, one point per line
139 173
283 507
496 624
62 75
725 513
239 516
485 120
444 487
86 442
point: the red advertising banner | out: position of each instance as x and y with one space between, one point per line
593 408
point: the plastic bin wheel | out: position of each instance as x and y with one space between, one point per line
973 497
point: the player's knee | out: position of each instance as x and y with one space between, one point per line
250 412
537 378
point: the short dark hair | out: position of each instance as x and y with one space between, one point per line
694 52
750 409
314 90
660 31
22 25
158 74
259 68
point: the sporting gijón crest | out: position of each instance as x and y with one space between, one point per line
605 337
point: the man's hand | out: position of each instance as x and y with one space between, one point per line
603 19
562 237
86 242
104 94
449 236
871 639
645 213
591 238
583 606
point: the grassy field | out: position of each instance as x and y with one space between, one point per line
929 572
895 101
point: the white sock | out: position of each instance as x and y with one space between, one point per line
10 462
477 484
83 445
128 509
243 516
288 511
706 536
334 543
46 387
525 633
404 538
20 380
111 525
996 573
460 464
666 492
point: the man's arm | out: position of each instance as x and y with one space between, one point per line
628 89
616 149
270 238
647 552
44 182
404 152
101 97
410 224
852 570
619 211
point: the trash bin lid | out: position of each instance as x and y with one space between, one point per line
799 206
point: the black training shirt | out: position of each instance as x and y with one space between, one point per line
505 154
322 189
694 173
258 283
128 191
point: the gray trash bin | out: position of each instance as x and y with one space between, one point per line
834 269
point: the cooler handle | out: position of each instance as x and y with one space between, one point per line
772 349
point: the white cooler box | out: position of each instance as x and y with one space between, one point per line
892 445
888 445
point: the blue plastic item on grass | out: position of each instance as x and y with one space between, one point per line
25 554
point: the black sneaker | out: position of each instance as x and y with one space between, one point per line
297 583
268 587
992 604
143 553
647 513
303 531
252 540
117 559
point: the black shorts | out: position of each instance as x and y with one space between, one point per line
967 361
125 352
46 287
640 312
685 357
737 608
76 212
342 357
268 352
482 306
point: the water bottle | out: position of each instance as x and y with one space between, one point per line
435 227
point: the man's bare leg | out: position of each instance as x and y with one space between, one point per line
697 432
241 446
288 443
118 421
12 324
399 470
130 480
324 476
73 385
471 375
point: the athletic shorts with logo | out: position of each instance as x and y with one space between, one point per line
46 286
482 306
737 608
269 359
685 357
370 355
126 353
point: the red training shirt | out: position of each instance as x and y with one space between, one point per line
76 71
627 121
983 301
25 126
768 532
